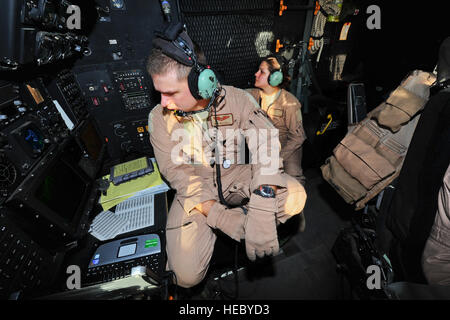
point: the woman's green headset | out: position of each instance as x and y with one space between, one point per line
202 80
276 76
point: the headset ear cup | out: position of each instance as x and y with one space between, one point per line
203 84
207 83
193 84
276 78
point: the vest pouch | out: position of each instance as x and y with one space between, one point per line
399 108
369 132
348 187
362 161
392 151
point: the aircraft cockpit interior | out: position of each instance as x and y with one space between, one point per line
99 199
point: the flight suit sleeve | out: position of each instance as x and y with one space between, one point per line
435 257
254 93
264 146
296 133
191 188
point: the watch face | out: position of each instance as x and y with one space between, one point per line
267 191
118 4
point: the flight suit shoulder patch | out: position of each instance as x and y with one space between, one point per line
299 115
150 123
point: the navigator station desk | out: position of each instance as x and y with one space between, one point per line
123 255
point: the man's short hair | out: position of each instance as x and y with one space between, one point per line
159 63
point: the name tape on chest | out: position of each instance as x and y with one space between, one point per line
276 112
222 119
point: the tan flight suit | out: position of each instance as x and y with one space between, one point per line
436 255
286 116
190 236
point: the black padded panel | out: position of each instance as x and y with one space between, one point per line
234 35
211 6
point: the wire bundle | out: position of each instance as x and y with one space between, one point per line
327 7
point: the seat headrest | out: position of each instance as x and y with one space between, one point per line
443 67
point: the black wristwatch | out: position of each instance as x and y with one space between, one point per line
265 191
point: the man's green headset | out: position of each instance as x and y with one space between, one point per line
175 43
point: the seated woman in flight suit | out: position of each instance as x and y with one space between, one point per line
283 108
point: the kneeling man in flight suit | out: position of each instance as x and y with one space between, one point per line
196 119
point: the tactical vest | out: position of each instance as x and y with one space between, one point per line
371 154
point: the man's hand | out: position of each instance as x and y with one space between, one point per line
229 221
205 207
261 237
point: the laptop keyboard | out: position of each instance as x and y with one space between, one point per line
122 269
